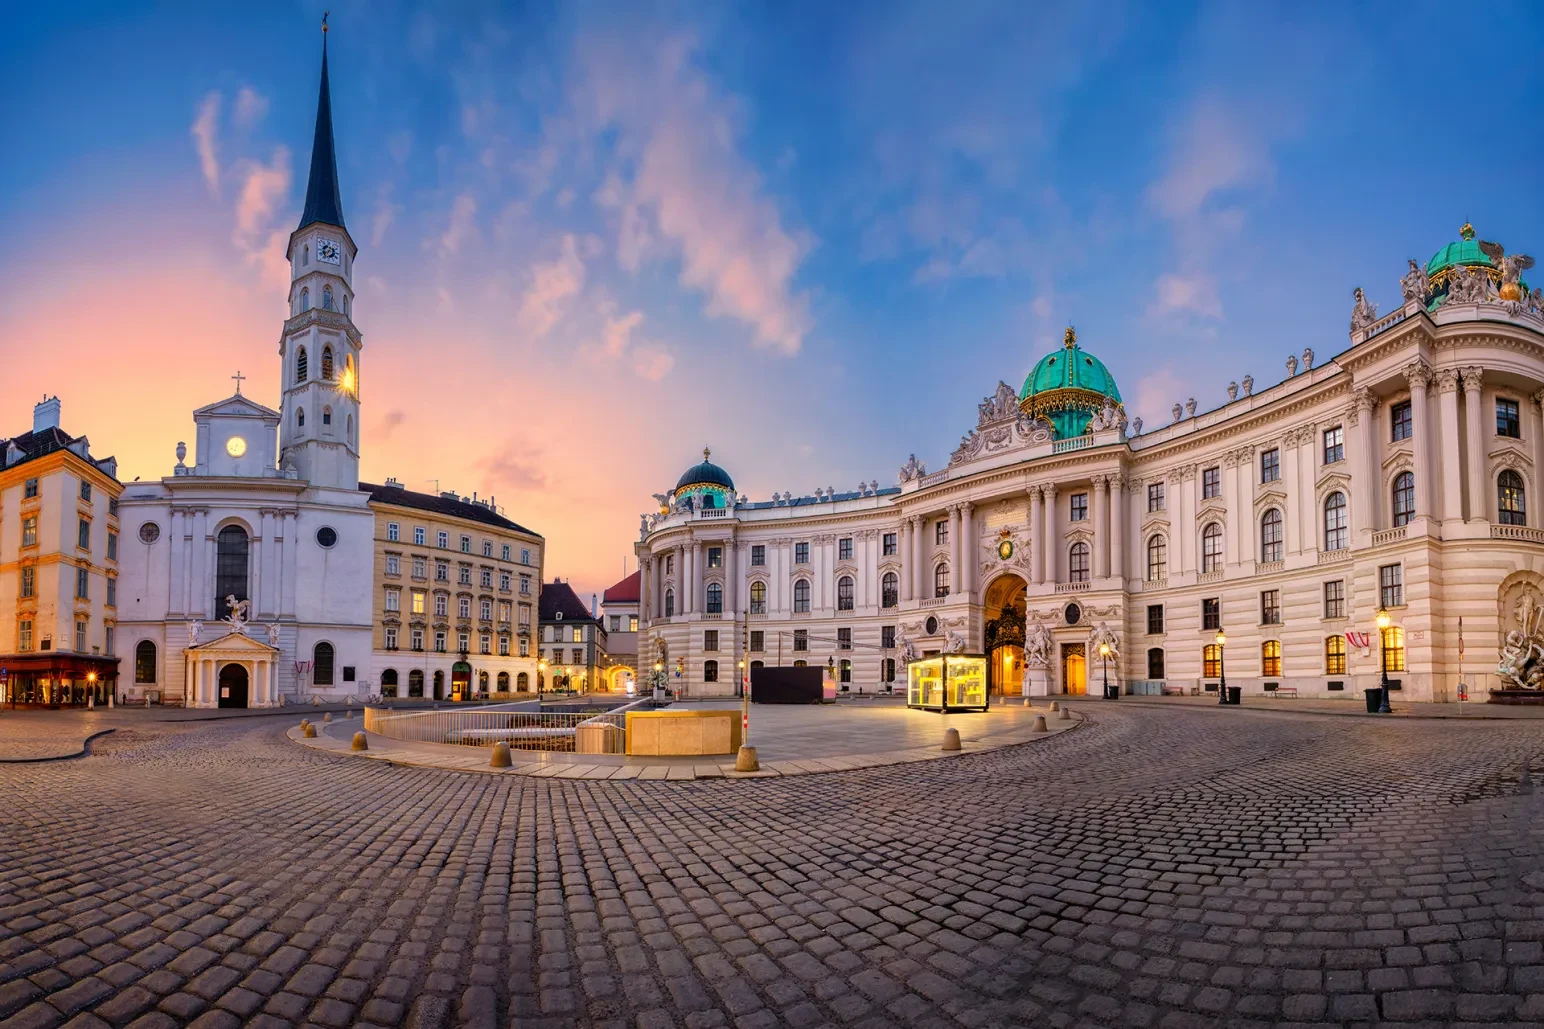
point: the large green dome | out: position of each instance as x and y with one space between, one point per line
1067 387
1465 250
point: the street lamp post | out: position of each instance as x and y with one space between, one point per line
1222 667
1104 657
1384 621
541 679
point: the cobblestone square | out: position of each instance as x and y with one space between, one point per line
1156 867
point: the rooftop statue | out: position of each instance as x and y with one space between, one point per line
912 469
1416 284
1363 314
1467 286
1512 269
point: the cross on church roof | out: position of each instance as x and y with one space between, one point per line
238 377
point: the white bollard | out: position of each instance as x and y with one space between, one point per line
951 740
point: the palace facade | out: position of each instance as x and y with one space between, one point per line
1259 540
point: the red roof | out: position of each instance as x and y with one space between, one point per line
624 592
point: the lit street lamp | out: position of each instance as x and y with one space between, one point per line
1104 656
1222 668
541 678
1384 621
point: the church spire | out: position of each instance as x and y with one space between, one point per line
323 204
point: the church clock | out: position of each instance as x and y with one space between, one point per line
327 250
235 446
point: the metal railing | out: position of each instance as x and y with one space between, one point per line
583 730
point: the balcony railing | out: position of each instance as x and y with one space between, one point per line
1266 567
1210 576
1155 584
1516 532
713 512
1383 536
1073 587
1329 557
1066 446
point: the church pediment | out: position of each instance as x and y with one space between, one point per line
236 406
232 644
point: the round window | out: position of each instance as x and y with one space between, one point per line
326 536
149 532
931 626
1073 613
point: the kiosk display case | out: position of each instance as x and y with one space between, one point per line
948 682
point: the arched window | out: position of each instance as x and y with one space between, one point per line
1157 558
715 599
1335 521
415 683
1270 536
1211 548
230 567
482 681
300 418
300 365
327 416
1077 563
326 298
1335 655
758 598
1211 661
710 671
327 363
1155 662
1509 498
1394 648
669 603
439 683
305 255
523 682
889 590
1270 657
801 595
305 300
144 661
389 682
321 667
349 430
844 593
345 303
1404 498
503 682
941 581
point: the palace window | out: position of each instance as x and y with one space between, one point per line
887 670
393 531
1335 655
1211 483
1335 599
1391 586
844 670
1155 499
801 640
321 665
801 596
82 583
488 549
844 593
801 553
941 580
1211 661
418 641
715 599
1508 422
391 637
504 580
1079 508
1155 667
1270 607
1077 563
844 639
710 671
485 609
441 605
669 603
1334 445
300 367
466 544
1509 498
418 602
758 598
844 549
464 576
442 539
144 661
1404 498
941 533
1211 548
24 635
504 552
80 637
112 595
1211 614
758 641
418 535
29 581
1271 547
486 579
715 557
1155 619
1270 657
1335 531
889 590
1270 465
887 637
464 607
1394 648
888 546
393 600
230 563
83 534
758 555
1401 424
29 531
30 488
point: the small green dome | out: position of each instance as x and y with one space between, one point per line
705 474
1067 387
1465 250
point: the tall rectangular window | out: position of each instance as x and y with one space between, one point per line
1335 599
439 641
1394 648
503 646
441 605
29 581
1391 585
1155 620
110 641
758 554
1211 614
442 539
487 548
29 531
801 639
24 634
1155 499
504 552
85 491
632 623
1211 661
758 641
80 637
1270 607
844 639
1270 657
418 602
1335 655
1270 465
525 584
418 535
112 592
393 564
466 544
801 553
30 490
112 546
420 567
1334 445
715 557
525 557
82 583
393 531
1401 423
888 544
1211 483
844 549
391 637
887 637
941 533
1508 421
393 600
418 639
1079 509
83 534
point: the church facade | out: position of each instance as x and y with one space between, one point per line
245 574
1365 514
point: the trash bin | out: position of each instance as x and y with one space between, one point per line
1111 692
1374 700
1234 693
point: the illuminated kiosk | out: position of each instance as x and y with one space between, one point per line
948 682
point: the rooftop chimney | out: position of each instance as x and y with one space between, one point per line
592 605
46 414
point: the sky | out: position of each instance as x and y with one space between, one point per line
597 237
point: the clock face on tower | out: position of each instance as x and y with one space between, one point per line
327 250
235 446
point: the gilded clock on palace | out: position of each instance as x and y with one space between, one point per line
1005 549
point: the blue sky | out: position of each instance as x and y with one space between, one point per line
596 237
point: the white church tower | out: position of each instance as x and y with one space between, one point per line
320 347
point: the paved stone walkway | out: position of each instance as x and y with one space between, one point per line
1156 867
46 736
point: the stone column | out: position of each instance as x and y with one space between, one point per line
731 578
286 583
968 557
176 598
1186 532
956 574
1479 505
919 586
1101 527
1291 457
1452 471
1364 492
1036 538
1537 429
1418 374
201 600
908 564
1051 555
1118 527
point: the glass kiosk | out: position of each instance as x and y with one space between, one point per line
948 682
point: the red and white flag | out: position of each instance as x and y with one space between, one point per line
1360 640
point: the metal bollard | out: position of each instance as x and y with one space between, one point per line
745 760
360 743
951 740
1040 725
501 758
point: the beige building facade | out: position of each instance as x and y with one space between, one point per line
457 588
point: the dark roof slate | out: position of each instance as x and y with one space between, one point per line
560 596
761 505
34 445
323 201
441 505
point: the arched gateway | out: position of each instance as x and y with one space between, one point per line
1004 603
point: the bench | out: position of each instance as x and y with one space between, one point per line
1282 691
1172 691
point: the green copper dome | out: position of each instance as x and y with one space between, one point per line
1464 250
1067 387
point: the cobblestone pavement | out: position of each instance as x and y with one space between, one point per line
1157 867
46 735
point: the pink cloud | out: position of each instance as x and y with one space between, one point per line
205 133
553 285
251 107
461 227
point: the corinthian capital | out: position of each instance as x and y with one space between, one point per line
1363 400
1472 376
1447 380
1418 374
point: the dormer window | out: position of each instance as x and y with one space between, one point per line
301 366
327 363
326 298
